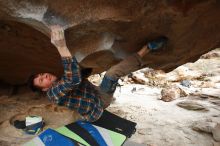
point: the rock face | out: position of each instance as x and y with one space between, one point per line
101 32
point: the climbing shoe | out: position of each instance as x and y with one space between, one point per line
157 44
108 85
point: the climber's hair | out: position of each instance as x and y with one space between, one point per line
85 73
31 85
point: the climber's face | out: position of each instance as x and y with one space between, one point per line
44 81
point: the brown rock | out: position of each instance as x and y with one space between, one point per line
192 105
102 32
216 132
203 126
140 78
210 55
208 127
216 143
207 85
171 93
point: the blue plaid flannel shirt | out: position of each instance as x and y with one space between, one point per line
74 93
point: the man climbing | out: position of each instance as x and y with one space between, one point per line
79 94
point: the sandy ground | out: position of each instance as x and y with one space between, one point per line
162 123
159 123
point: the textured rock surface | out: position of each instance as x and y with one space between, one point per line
102 32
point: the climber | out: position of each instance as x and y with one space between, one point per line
79 94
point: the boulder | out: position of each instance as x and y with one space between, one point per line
102 32
170 93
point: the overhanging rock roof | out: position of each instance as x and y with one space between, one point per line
101 32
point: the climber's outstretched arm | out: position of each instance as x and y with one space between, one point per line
58 39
